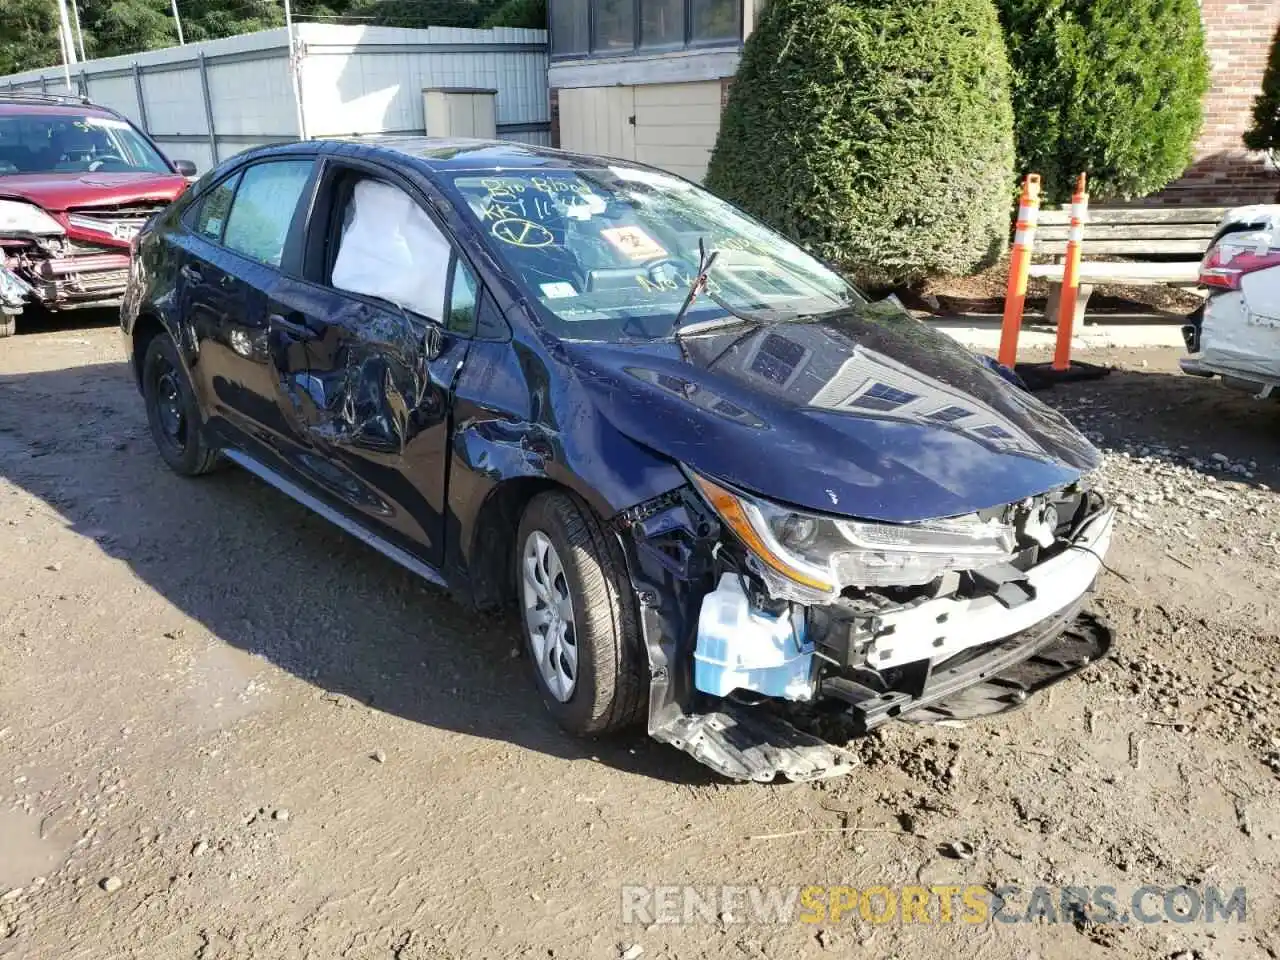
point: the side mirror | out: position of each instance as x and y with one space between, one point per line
185 167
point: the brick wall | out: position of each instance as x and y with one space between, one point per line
1238 34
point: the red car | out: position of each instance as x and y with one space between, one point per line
77 182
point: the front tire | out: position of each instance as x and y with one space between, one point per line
579 616
172 410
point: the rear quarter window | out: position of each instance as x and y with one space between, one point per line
209 218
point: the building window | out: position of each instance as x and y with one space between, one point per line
881 396
950 414
994 432
661 23
610 27
778 359
712 20
615 26
569 26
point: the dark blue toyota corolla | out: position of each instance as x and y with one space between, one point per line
730 496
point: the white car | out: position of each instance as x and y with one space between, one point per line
1236 334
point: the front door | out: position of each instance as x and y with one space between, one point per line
385 341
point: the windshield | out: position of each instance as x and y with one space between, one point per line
66 143
611 252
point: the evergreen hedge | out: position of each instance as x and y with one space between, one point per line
519 13
878 133
1112 88
1265 132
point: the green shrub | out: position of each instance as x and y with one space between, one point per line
1111 88
878 133
1265 132
519 13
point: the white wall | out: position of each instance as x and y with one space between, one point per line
352 79
370 79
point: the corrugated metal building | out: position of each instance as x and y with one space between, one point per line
206 101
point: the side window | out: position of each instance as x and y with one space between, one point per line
263 209
391 249
462 300
211 218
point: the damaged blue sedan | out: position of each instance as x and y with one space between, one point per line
730 497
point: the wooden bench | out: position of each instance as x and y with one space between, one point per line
1165 244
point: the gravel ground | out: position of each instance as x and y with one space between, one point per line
229 731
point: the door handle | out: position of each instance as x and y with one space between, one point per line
297 331
191 274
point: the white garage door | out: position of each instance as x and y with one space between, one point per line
668 125
676 126
598 120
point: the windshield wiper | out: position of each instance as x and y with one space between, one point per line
736 315
699 283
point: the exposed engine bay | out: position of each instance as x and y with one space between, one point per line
86 267
743 675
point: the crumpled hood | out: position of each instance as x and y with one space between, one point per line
869 414
59 191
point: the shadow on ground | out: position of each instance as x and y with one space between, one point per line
263 574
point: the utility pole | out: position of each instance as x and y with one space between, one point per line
75 15
295 70
177 21
68 42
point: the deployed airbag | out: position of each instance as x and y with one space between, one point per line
392 250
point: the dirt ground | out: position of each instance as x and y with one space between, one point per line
227 730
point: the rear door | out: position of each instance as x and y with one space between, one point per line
385 315
236 250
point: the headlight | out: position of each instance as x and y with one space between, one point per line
26 218
810 557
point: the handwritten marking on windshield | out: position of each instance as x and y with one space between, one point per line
502 189
523 233
498 210
680 281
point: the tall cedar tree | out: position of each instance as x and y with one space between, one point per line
878 133
1111 88
1265 132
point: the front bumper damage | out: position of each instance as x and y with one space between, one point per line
947 656
64 275
14 292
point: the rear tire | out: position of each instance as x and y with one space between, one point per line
572 581
172 411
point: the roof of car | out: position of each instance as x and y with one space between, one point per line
17 104
452 154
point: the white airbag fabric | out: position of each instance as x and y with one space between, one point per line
392 250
